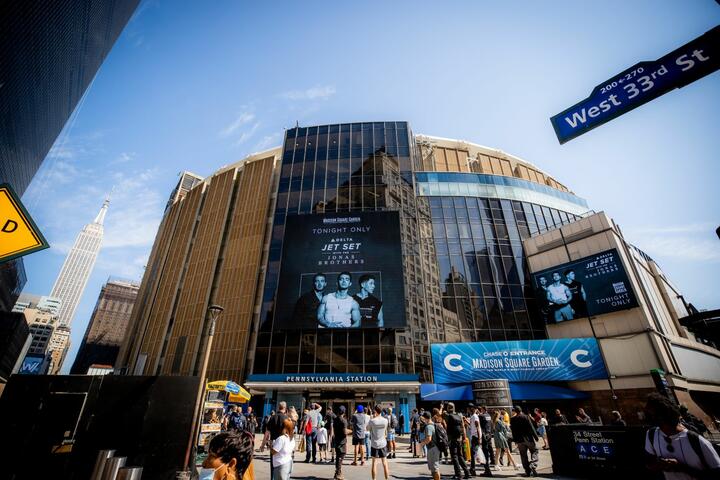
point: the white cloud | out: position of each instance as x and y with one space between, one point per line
696 242
242 119
310 93
248 134
268 141
124 157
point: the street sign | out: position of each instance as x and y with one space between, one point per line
640 84
18 233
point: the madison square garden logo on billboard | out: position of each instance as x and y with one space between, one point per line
341 271
587 287
518 361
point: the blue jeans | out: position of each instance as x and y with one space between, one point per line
367 446
311 445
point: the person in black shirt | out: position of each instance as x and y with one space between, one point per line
578 301
456 436
541 296
524 434
486 435
306 308
370 306
339 441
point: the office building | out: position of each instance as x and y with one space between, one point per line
351 260
107 327
78 265
51 52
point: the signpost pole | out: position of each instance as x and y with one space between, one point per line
214 312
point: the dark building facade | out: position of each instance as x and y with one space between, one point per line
51 51
108 325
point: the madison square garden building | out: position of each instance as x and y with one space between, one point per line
362 263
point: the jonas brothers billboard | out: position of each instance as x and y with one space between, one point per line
590 286
341 271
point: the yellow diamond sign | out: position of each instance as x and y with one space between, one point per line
18 233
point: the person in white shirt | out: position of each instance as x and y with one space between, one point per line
282 451
674 450
322 442
559 296
377 431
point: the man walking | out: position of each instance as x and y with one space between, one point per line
456 435
474 433
378 430
358 435
433 452
330 424
486 434
339 440
524 434
313 418
392 425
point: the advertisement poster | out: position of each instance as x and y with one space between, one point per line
341 271
518 361
32 365
590 286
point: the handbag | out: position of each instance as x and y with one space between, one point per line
479 456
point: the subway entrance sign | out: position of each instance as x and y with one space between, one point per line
639 84
18 233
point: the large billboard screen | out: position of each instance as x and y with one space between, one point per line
341 271
590 286
518 361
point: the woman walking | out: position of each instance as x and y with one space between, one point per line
282 452
500 434
542 430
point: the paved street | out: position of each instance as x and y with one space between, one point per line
404 466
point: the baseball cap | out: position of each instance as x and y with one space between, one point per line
360 408
342 409
427 415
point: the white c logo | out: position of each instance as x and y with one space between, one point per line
579 363
450 366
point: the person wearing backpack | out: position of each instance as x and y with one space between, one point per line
456 436
234 421
679 453
430 442
393 421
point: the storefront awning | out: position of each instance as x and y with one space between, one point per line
518 391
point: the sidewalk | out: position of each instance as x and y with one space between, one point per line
402 467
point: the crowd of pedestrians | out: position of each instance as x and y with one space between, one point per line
476 442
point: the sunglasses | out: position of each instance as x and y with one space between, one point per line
669 446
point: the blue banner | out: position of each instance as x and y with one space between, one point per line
333 377
518 361
640 84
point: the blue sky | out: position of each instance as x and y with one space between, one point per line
197 85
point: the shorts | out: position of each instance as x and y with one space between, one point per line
433 459
358 441
378 452
391 436
322 447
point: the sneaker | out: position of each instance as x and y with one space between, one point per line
533 472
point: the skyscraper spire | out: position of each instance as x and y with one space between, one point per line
100 219
78 265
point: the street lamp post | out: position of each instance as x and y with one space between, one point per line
213 313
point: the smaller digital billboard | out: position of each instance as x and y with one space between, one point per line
341 270
590 286
32 365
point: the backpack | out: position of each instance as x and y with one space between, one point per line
236 421
694 440
308 427
440 439
393 421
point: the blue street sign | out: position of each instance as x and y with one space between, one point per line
640 84
518 360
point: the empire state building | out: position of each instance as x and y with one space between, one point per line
78 265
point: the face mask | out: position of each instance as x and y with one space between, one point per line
209 473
